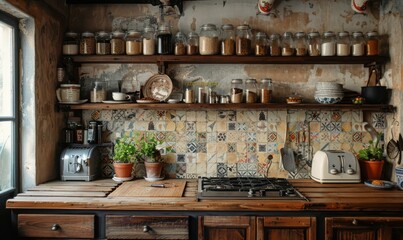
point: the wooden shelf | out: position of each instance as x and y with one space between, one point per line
240 106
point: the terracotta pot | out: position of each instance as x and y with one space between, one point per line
123 170
153 170
371 170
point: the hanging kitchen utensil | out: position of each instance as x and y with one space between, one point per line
371 130
392 148
287 154
400 144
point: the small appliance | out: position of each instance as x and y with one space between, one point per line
334 166
81 163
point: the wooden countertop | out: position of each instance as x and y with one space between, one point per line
94 196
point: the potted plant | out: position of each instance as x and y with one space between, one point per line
371 159
150 149
125 155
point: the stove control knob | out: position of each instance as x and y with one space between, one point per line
350 171
333 171
251 193
282 192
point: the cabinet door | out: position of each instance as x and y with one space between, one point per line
226 228
364 228
286 228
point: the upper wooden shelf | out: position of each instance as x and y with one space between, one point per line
366 60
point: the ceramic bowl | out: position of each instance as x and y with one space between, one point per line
329 86
328 99
399 177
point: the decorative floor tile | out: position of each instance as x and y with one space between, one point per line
233 136
262 116
201 148
221 136
336 116
346 116
118 114
191 147
202 137
379 120
357 116
231 126
231 147
262 147
251 147
251 137
190 126
211 137
211 157
201 126
222 170
191 116
191 136
312 116
232 116
241 127
261 126
180 158
272 147
181 168
272 137
201 116
211 115
274 116
211 127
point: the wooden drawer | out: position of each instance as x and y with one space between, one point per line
147 227
56 225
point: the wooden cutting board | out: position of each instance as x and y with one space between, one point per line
142 188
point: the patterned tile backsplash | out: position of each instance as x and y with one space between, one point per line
236 143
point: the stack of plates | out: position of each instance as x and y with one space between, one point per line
328 92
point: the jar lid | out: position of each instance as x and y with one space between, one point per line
149 29
163 27
329 34
343 34
266 80
180 35
300 34
208 26
251 80
287 34
87 34
118 33
133 33
274 36
243 27
193 35
358 34
313 34
372 34
71 34
102 33
227 27
261 35
236 81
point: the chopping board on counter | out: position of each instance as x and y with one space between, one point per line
142 188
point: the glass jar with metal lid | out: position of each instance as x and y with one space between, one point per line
266 90
134 43
149 41
275 44
287 44
87 43
328 45
343 44
208 40
118 43
164 40
358 44
300 44
251 92
236 91
243 42
261 44
372 43
103 43
180 44
193 44
314 44
70 43
227 40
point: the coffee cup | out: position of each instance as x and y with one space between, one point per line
68 93
119 96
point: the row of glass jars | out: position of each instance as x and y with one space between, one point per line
251 91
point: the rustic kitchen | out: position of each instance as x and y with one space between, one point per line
263 114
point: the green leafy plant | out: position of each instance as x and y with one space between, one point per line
373 152
125 150
150 148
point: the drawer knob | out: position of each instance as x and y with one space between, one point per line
146 228
355 222
55 227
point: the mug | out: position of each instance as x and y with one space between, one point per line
399 177
68 93
119 96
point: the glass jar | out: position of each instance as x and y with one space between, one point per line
243 42
300 44
372 43
227 40
134 43
266 90
236 91
118 43
70 43
98 92
208 40
87 43
251 91
180 44
343 44
287 44
261 44
103 43
358 44
328 45
164 40
193 44
314 44
275 44
149 41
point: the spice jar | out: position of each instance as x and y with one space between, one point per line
103 43
70 43
164 40
261 44
343 44
134 43
118 43
372 43
227 40
243 42
149 41
208 40
358 44
314 44
287 44
300 44
193 44
251 91
87 43
236 91
275 44
266 90
98 92
328 46
180 44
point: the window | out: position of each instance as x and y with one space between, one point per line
8 103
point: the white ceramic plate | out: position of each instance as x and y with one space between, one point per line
113 101
118 179
153 179
173 101
158 87
386 184
146 101
78 102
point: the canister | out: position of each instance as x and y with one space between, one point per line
180 44
358 44
236 91
314 44
103 43
372 43
70 43
261 44
208 40
118 43
275 44
87 43
149 41
227 40
243 42
164 40
251 93
343 44
134 43
266 90
328 46
287 44
300 44
192 44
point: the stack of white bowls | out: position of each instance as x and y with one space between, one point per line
328 92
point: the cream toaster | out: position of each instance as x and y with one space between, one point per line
334 166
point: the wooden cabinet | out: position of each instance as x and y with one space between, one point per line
56 225
364 228
226 228
146 227
286 228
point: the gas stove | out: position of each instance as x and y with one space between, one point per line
247 188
